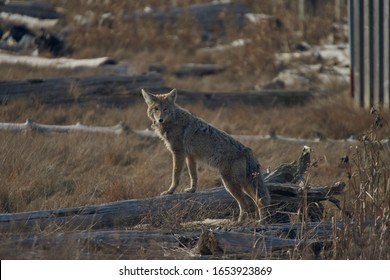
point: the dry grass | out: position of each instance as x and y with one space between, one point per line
50 171
86 169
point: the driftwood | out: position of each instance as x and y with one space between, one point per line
60 63
102 244
31 14
105 89
214 203
29 125
120 128
261 241
35 10
122 90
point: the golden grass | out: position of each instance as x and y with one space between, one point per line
43 171
51 171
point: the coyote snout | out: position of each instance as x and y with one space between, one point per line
191 139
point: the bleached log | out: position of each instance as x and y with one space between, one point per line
122 128
33 15
30 22
30 125
60 63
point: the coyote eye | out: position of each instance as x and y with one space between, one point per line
155 109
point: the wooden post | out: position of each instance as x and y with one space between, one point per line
376 20
369 47
386 54
355 38
366 54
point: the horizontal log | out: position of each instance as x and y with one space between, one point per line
236 243
120 128
122 90
33 15
261 241
159 244
261 97
99 244
29 125
59 63
105 89
35 10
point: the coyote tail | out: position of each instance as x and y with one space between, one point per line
255 178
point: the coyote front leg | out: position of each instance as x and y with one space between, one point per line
191 165
178 162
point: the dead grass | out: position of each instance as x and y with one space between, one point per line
82 169
51 171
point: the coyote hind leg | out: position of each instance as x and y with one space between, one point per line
259 201
235 190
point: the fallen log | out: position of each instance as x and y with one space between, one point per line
121 90
99 244
262 241
32 15
104 89
183 207
30 125
236 243
59 63
255 242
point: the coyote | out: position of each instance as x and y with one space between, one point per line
189 139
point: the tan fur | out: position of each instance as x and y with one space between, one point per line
191 139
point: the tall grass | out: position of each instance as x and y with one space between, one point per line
366 233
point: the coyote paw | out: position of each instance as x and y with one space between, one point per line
166 193
190 190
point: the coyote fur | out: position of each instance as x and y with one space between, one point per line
189 139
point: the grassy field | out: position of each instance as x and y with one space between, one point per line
51 171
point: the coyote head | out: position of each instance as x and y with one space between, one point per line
160 107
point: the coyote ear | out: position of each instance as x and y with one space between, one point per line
149 98
171 96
